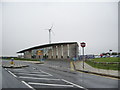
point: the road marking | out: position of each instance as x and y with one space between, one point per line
6 69
12 73
27 85
33 74
29 72
47 73
71 66
73 84
50 84
39 78
42 71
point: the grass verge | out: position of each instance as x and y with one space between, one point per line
108 59
107 66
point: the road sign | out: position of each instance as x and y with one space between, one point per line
83 44
39 52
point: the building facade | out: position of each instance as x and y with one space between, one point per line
52 51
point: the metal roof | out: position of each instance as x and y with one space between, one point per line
46 45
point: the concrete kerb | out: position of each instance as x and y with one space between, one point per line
99 74
35 62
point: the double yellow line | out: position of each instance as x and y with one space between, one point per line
71 66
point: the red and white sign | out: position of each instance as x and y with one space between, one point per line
83 44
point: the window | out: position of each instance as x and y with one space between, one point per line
56 56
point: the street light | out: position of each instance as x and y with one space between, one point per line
83 44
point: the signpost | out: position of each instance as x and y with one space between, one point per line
83 44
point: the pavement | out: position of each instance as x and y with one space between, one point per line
78 65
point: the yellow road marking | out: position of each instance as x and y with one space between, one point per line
71 66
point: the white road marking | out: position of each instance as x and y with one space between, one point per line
73 84
50 84
29 73
38 78
27 85
6 69
43 71
33 74
12 73
46 73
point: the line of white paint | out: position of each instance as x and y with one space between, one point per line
6 69
50 84
46 73
27 85
38 78
33 74
12 73
73 84
29 73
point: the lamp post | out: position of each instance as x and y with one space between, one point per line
83 44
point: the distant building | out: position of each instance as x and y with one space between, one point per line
68 50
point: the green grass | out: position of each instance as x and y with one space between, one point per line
108 59
105 66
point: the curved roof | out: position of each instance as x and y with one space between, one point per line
45 45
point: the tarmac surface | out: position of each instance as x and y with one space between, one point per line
45 75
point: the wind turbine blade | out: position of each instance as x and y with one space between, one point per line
53 32
51 26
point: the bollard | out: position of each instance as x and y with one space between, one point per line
12 61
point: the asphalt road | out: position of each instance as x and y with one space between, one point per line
44 76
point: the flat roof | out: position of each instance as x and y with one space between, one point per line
46 45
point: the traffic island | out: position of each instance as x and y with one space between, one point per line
15 66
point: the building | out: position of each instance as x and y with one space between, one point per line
68 50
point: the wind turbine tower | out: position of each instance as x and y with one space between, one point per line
50 30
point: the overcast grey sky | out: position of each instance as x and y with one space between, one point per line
23 25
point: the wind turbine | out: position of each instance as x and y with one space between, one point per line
50 30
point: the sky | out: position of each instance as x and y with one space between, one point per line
24 25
